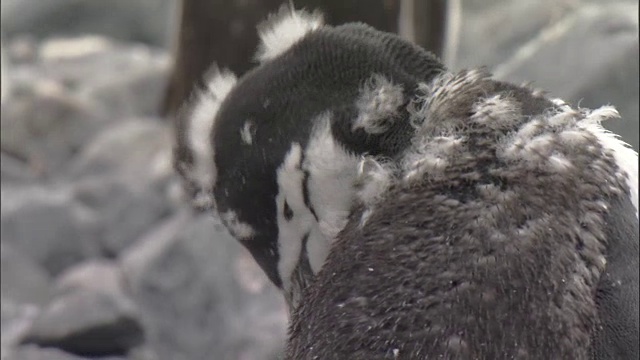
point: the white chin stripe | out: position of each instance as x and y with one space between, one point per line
283 29
332 173
199 131
294 220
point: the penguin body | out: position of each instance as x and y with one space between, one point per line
408 212
507 230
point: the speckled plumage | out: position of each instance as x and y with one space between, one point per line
497 251
460 217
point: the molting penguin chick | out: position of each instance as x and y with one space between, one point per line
507 229
277 150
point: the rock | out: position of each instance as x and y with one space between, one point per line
46 125
88 323
32 352
135 88
91 316
48 225
22 48
126 175
126 211
22 280
58 50
15 319
143 352
75 89
147 21
15 170
491 31
184 276
99 275
124 79
138 150
605 33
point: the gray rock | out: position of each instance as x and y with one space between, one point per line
15 170
88 323
125 79
491 31
126 211
125 177
98 275
46 125
47 225
136 149
148 21
198 295
32 352
75 89
22 280
143 352
21 49
136 88
15 320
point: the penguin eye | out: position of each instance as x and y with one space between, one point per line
287 212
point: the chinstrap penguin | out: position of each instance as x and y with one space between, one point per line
411 213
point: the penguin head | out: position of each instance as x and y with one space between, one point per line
276 151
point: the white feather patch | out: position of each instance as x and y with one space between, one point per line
246 134
283 29
429 156
237 228
200 130
374 180
332 172
378 105
626 158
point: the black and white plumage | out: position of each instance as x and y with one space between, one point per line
460 217
278 149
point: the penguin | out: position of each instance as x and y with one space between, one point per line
507 229
408 212
275 152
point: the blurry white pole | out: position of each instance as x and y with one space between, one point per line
407 26
452 32
406 23
5 86
174 24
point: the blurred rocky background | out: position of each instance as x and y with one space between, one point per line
100 257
